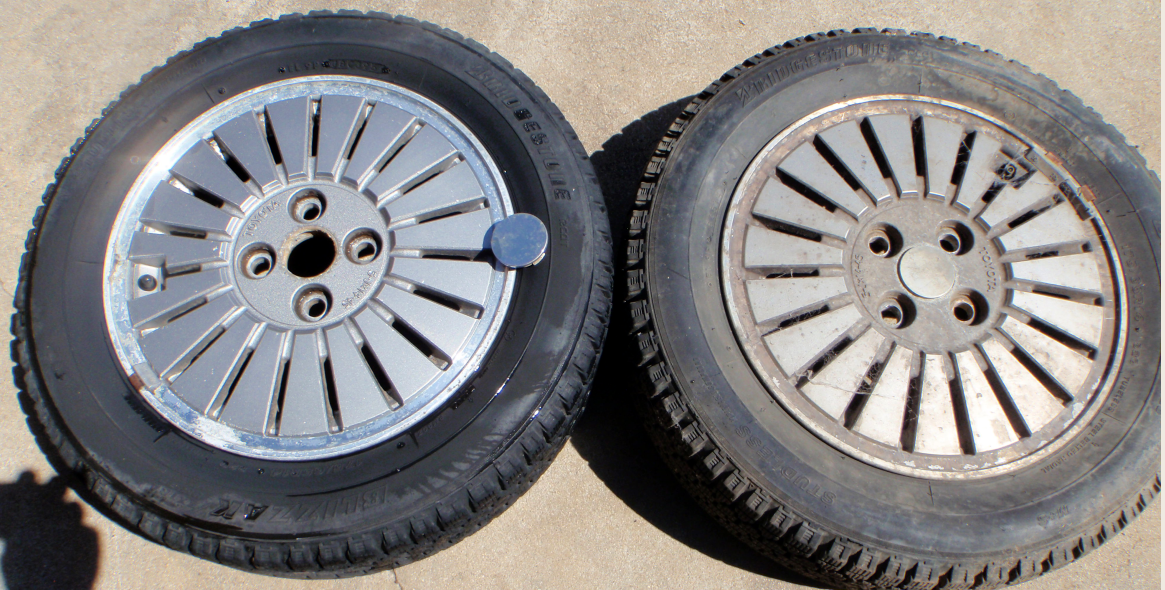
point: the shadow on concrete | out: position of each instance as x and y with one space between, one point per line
44 543
609 435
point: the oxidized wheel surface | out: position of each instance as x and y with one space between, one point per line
897 304
922 287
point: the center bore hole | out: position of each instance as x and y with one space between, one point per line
312 256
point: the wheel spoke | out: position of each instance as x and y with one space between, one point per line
811 170
841 379
451 191
979 175
340 119
1036 404
895 139
204 384
246 141
175 253
304 409
794 347
1058 224
426 154
941 143
780 203
881 418
358 395
1012 202
291 120
179 294
1082 322
171 346
764 247
1046 251
988 421
444 328
203 168
465 280
1075 272
172 210
775 301
457 235
1067 366
385 131
908 436
251 402
938 428
847 143
408 368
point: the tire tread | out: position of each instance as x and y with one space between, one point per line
523 458
703 467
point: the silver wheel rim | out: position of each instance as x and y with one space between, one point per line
922 287
304 271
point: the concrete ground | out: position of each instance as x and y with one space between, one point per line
606 514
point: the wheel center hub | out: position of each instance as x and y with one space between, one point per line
927 277
311 254
926 272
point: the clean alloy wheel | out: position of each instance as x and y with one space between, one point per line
294 306
298 273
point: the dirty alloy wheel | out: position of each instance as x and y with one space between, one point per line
292 304
897 302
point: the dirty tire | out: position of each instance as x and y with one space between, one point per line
730 413
378 503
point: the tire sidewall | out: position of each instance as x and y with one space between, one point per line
1112 457
125 439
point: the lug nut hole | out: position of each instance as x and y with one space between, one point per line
307 206
312 304
955 238
362 247
883 241
896 311
892 315
258 262
963 311
949 243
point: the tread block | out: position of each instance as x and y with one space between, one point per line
234 552
660 379
176 537
638 222
301 558
635 282
333 554
203 546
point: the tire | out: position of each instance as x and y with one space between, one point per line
808 410
356 463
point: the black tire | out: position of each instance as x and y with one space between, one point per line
380 506
769 478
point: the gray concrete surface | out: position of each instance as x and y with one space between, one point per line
606 514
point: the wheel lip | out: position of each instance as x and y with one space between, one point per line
1076 421
365 435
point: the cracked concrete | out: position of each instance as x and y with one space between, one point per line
606 514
